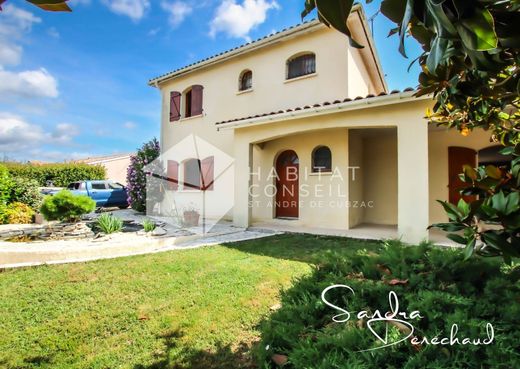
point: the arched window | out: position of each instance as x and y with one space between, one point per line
321 159
191 174
301 65
192 101
246 80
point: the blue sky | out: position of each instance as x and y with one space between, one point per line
74 85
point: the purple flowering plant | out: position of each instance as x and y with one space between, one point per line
137 176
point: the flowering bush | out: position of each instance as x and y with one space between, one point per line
136 175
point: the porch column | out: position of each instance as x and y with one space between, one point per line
412 182
243 163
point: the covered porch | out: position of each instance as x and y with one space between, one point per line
392 183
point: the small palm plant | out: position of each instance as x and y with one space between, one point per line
148 225
108 223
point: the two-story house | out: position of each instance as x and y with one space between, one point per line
318 140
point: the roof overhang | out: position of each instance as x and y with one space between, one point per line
334 108
286 34
240 50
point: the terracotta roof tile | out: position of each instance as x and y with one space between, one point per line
326 103
229 51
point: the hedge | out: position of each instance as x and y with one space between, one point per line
59 174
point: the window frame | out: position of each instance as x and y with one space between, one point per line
187 186
243 87
303 72
321 169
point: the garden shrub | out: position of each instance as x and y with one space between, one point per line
17 213
67 207
60 174
109 223
136 176
6 184
26 190
436 282
148 225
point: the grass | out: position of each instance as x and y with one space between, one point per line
183 309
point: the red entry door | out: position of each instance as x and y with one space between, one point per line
287 166
457 158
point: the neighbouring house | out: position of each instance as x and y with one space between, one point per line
116 165
346 151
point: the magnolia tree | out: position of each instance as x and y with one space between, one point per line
470 63
136 175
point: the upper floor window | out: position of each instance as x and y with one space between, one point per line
187 104
321 159
246 80
301 65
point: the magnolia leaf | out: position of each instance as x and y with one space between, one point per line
493 172
404 25
437 53
310 5
335 14
51 5
470 171
452 211
469 249
393 10
456 238
478 32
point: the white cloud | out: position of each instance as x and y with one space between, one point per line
15 23
17 135
178 11
134 9
56 155
72 3
153 31
129 125
10 54
65 132
237 20
31 83
53 32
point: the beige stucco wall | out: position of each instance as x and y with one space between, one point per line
380 177
339 74
438 142
356 180
411 157
116 169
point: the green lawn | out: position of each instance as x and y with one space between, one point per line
183 309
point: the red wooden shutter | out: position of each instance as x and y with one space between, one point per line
175 106
207 168
172 173
196 100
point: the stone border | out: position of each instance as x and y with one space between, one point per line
14 255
